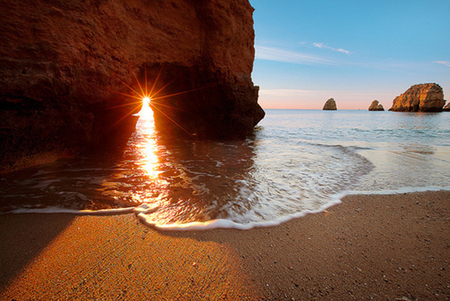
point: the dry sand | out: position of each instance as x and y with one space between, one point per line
384 247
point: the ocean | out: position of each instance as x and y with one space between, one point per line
297 162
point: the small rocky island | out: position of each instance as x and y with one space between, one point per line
420 98
376 106
330 104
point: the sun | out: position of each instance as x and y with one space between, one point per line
146 101
153 100
146 111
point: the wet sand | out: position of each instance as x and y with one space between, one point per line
383 247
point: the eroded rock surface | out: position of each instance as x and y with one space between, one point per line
330 104
446 108
68 68
420 98
376 106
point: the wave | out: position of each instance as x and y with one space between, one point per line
288 169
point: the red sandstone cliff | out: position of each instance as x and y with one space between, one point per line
420 98
63 65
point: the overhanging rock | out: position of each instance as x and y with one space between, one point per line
67 66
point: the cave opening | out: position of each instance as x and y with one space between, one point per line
194 102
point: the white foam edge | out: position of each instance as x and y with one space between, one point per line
396 191
143 209
228 224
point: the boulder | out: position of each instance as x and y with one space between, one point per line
420 98
446 108
376 106
71 70
330 104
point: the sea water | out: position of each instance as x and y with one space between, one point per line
296 162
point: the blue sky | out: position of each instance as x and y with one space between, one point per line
355 51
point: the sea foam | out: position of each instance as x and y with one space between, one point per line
297 163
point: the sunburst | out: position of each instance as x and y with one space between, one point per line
149 98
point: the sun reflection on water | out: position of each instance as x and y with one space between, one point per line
148 146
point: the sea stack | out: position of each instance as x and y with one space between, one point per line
70 71
420 98
376 106
446 108
330 104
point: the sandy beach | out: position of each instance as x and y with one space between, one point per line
381 247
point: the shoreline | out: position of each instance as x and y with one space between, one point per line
369 246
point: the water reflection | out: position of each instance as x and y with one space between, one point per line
147 145
173 180
187 180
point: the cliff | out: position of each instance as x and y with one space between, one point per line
376 106
330 104
420 98
69 69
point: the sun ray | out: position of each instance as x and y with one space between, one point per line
128 95
145 79
128 86
139 84
165 86
173 121
125 116
149 99
164 105
156 81
178 93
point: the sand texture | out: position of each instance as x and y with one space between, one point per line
383 247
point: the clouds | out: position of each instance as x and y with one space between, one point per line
445 63
297 57
322 45
281 55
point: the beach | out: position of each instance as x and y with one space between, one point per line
382 247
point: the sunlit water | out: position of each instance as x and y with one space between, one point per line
298 161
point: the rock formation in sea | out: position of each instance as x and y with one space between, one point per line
376 106
420 98
330 104
69 70
446 108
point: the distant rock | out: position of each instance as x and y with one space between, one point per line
420 98
446 107
376 106
330 104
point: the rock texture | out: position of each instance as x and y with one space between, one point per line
376 106
446 108
420 98
330 104
68 70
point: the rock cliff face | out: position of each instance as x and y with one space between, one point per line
446 108
420 98
376 106
330 104
68 70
